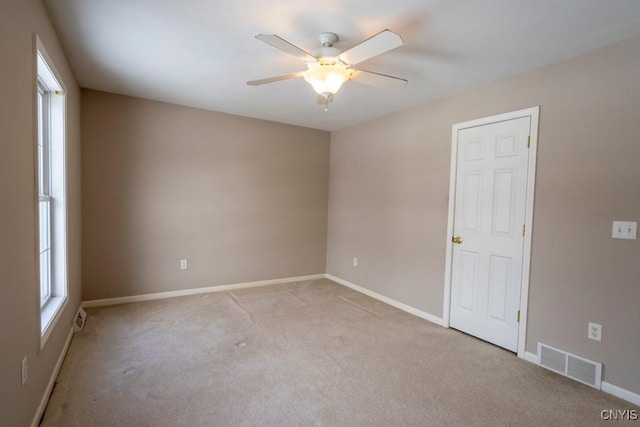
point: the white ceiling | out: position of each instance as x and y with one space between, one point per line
201 52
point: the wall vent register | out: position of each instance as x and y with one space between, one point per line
569 365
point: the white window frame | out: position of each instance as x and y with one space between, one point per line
51 229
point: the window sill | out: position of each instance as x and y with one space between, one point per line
49 316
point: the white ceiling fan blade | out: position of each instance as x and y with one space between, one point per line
378 80
275 79
285 46
373 46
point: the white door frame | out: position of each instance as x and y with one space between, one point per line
534 113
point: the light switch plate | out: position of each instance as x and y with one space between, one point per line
625 230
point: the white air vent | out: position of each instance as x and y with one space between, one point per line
79 320
575 367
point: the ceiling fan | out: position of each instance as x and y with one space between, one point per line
328 68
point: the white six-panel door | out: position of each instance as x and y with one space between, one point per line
489 216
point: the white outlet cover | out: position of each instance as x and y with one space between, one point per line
183 264
627 230
594 332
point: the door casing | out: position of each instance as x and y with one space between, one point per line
534 113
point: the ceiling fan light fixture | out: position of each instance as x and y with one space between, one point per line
328 68
327 78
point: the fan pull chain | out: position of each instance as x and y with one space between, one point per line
326 96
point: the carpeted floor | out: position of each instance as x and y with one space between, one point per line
302 354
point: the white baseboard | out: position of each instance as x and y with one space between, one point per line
194 291
531 357
401 306
54 375
609 388
623 394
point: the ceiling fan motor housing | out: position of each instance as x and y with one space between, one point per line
326 53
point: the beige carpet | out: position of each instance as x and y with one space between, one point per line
304 354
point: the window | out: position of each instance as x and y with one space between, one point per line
51 193
44 192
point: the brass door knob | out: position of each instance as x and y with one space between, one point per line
457 239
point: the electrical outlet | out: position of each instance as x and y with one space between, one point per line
625 230
23 370
183 264
594 332
355 262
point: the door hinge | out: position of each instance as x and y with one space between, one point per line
518 316
529 141
522 230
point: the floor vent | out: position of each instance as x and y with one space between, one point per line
79 320
575 367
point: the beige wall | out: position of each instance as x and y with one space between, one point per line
19 312
242 199
389 185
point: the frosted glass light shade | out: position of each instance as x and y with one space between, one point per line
326 78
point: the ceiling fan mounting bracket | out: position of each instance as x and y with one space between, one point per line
328 39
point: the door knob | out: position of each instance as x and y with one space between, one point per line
456 239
